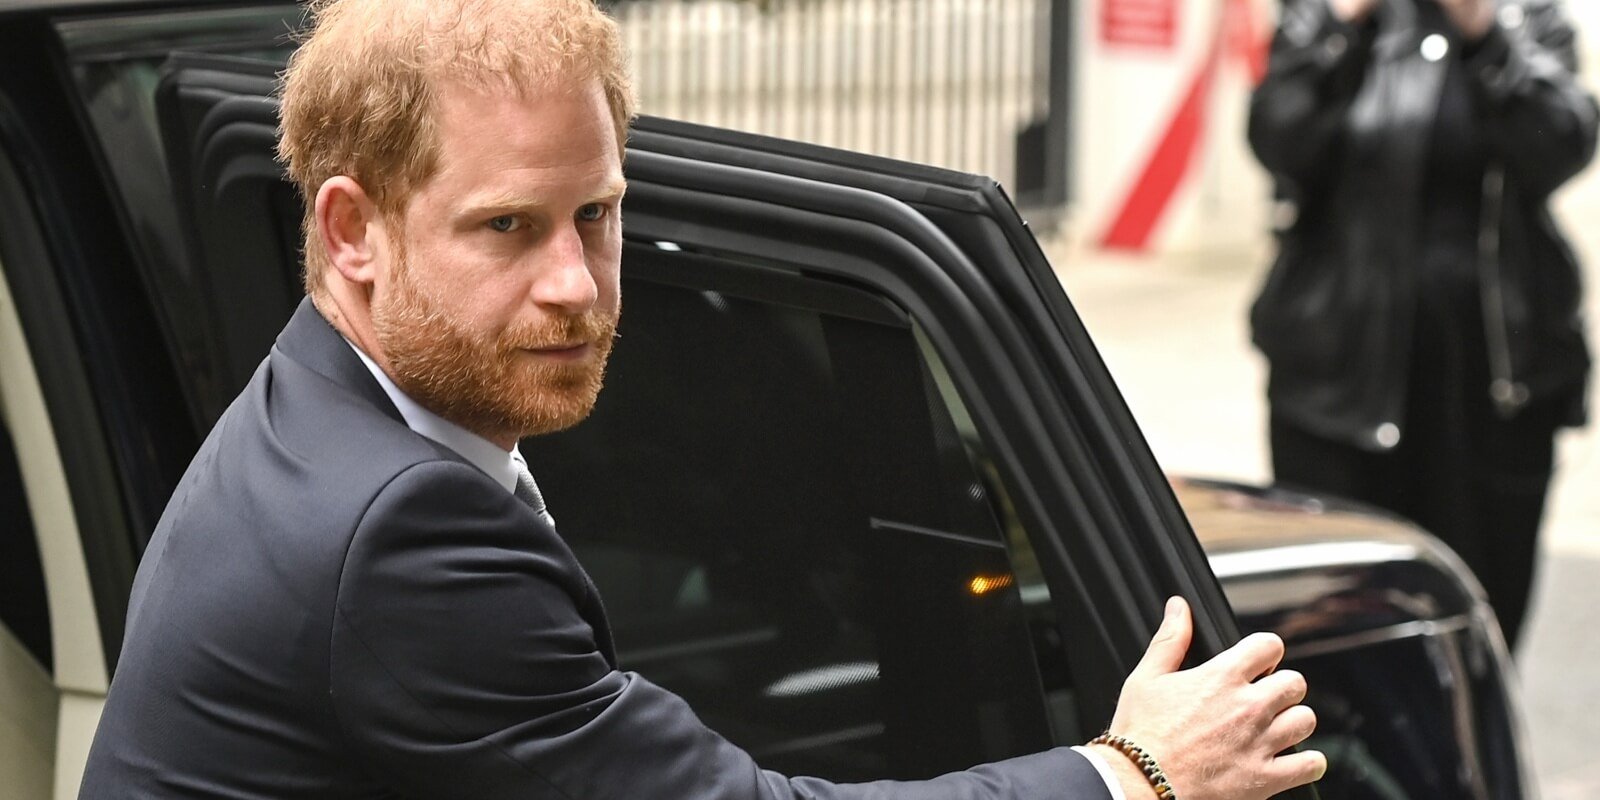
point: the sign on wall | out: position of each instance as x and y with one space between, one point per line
1139 23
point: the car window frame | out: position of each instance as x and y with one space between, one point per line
1039 442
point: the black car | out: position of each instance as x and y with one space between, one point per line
859 488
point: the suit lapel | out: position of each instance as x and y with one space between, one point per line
311 341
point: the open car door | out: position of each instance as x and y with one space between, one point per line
946 255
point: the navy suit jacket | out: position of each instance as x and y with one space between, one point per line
335 606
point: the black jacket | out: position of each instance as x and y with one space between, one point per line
1343 121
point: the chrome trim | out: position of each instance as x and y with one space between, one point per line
1318 555
1392 633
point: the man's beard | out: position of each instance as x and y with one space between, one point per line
485 384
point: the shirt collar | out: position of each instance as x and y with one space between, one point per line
480 452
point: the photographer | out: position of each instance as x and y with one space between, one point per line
1421 321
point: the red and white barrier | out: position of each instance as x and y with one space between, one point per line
1161 163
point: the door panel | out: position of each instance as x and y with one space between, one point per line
27 723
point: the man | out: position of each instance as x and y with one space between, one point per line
355 591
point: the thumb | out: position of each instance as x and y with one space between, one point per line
1171 642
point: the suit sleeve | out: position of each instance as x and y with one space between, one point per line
1316 68
1537 114
461 666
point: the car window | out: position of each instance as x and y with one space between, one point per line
791 530
24 609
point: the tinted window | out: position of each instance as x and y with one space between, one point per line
789 530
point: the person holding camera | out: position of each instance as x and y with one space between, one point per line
1421 321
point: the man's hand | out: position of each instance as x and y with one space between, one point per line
1217 729
1354 11
1473 18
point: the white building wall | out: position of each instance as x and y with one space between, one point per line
1126 97
951 83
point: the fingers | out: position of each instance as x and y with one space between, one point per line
1281 689
1290 728
1255 655
1296 769
1171 642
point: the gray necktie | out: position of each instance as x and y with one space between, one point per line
528 492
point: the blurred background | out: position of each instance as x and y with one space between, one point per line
1117 126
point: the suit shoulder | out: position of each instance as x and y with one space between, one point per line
449 503
289 471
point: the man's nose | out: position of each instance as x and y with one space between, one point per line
564 280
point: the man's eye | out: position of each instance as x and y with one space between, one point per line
504 224
593 212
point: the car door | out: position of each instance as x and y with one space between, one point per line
857 453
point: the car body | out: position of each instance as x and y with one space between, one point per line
860 487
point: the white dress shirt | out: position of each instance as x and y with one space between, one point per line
494 460
1100 766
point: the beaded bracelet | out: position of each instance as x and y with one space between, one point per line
1143 760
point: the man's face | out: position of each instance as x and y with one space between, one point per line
500 301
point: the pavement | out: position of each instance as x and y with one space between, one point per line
1173 332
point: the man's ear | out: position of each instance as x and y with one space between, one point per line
349 229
